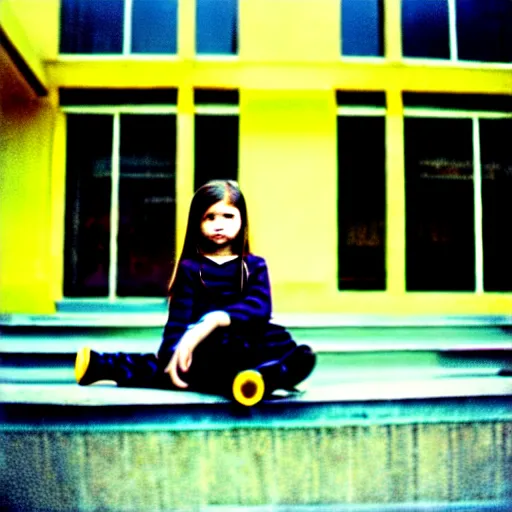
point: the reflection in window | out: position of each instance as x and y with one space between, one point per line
425 29
484 30
361 203
496 158
217 26
362 28
440 251
91 26
216 148
88 190
154 26
146 204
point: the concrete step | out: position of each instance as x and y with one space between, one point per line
320 388
396 416
43 350
335 367
58 338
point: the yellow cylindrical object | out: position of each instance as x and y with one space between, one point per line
248 387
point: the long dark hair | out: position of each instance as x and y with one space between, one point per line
206 196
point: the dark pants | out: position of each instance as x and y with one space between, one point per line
215 363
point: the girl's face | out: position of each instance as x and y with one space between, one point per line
221 224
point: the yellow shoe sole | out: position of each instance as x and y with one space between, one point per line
83 358
248 387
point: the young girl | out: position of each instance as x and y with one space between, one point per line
218 337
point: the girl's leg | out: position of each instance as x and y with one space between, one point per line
215 363
289 370
281 361
127 370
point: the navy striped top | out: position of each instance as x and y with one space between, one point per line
202 285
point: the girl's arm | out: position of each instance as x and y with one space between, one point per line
256 304
180 311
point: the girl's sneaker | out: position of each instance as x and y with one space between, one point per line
251 386
91 368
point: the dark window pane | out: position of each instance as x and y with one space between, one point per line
164 96
494 102
91 26
216 96
361 98
484 30
361 28
216 148
88 189
146 204
154 26
440 250
361 203
217 26
496 155
425 29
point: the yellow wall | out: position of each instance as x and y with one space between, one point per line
287 70
32 26
25 208
288 172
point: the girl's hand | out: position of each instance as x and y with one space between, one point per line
182 357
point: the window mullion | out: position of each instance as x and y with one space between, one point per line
114 209
127 31
452 20
477 188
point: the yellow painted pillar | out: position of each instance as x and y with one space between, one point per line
25 209
395 194
58 198
288 173
288 168
185 121
184 162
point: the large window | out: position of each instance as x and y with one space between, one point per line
118 26
440 239
120 201
458 186
362 28
217 26
496 163
361 193
475 30
216 135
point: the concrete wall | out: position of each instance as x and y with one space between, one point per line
66 470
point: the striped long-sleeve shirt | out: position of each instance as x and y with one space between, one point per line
202 286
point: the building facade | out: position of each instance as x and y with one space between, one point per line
371 140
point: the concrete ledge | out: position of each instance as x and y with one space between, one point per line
460 400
